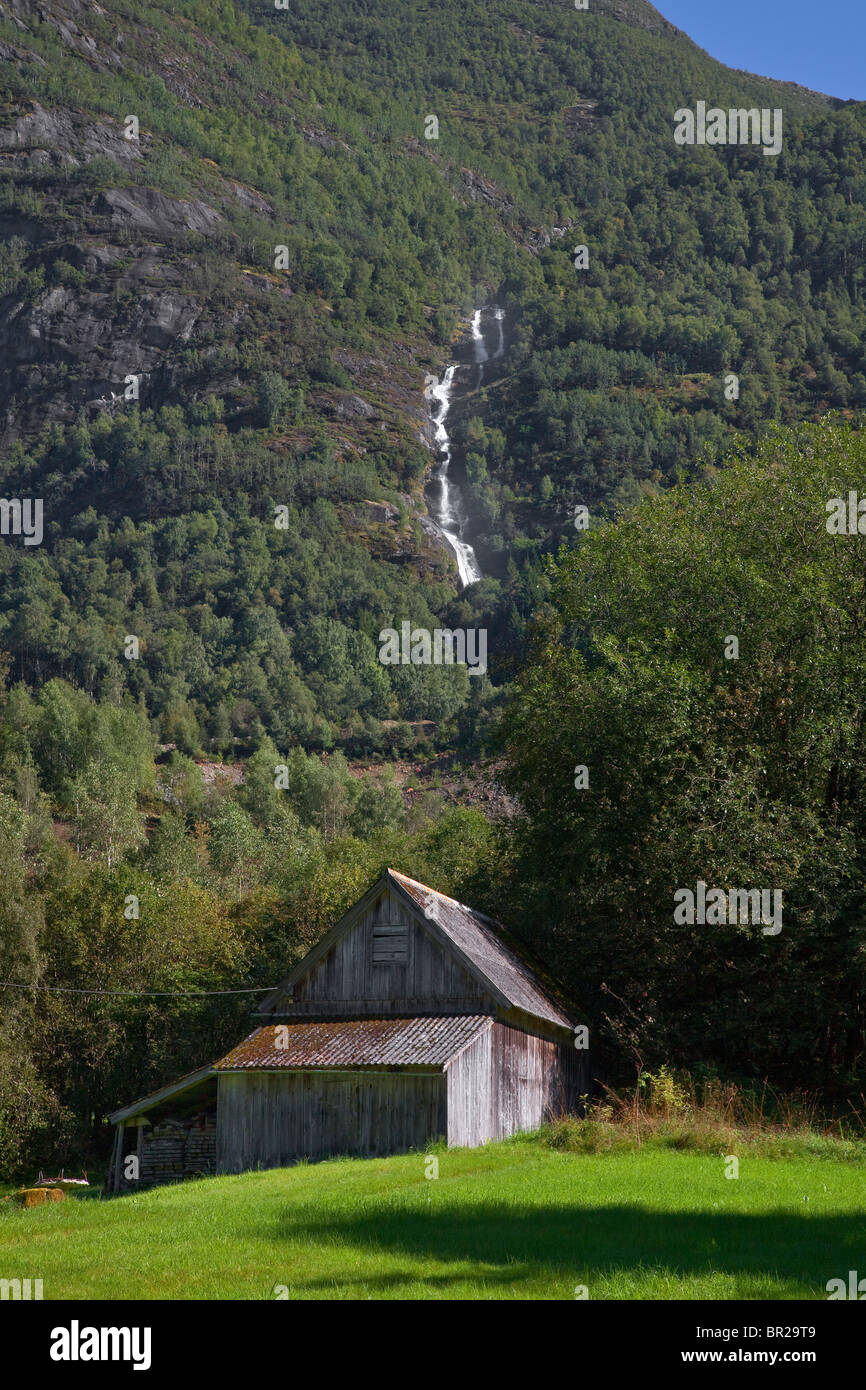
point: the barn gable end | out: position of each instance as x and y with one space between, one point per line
404 949
386 960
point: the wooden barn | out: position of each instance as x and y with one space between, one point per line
414 1018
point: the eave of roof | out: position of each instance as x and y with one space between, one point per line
176 1088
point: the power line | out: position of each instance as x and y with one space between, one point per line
141 993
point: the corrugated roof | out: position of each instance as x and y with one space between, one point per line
481 940
368 1042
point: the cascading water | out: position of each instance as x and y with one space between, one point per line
480 346
451 518
499 315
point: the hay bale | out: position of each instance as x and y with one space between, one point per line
36 1196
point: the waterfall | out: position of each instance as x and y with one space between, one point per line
480 347
499 315
450 521
451 516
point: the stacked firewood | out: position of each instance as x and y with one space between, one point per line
173 1150
162 1154
200 1156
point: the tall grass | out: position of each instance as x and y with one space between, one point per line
673 1110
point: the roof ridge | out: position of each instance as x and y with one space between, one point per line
437 893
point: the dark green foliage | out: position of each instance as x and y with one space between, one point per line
744 773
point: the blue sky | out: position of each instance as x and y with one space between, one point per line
819 43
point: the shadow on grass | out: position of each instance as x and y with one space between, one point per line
513 1243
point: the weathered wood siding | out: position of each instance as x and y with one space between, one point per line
471 1117
509 1080
387 973
269 1119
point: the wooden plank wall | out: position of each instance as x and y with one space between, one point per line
508 1081
348 981
269 1119
471 1091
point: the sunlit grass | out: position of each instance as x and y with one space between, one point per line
512 1220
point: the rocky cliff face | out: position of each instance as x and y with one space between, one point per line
137 265
114 288
119 311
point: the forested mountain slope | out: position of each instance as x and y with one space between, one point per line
295 378
228 319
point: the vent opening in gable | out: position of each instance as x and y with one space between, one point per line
391 944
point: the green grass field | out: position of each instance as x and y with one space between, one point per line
512 1220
